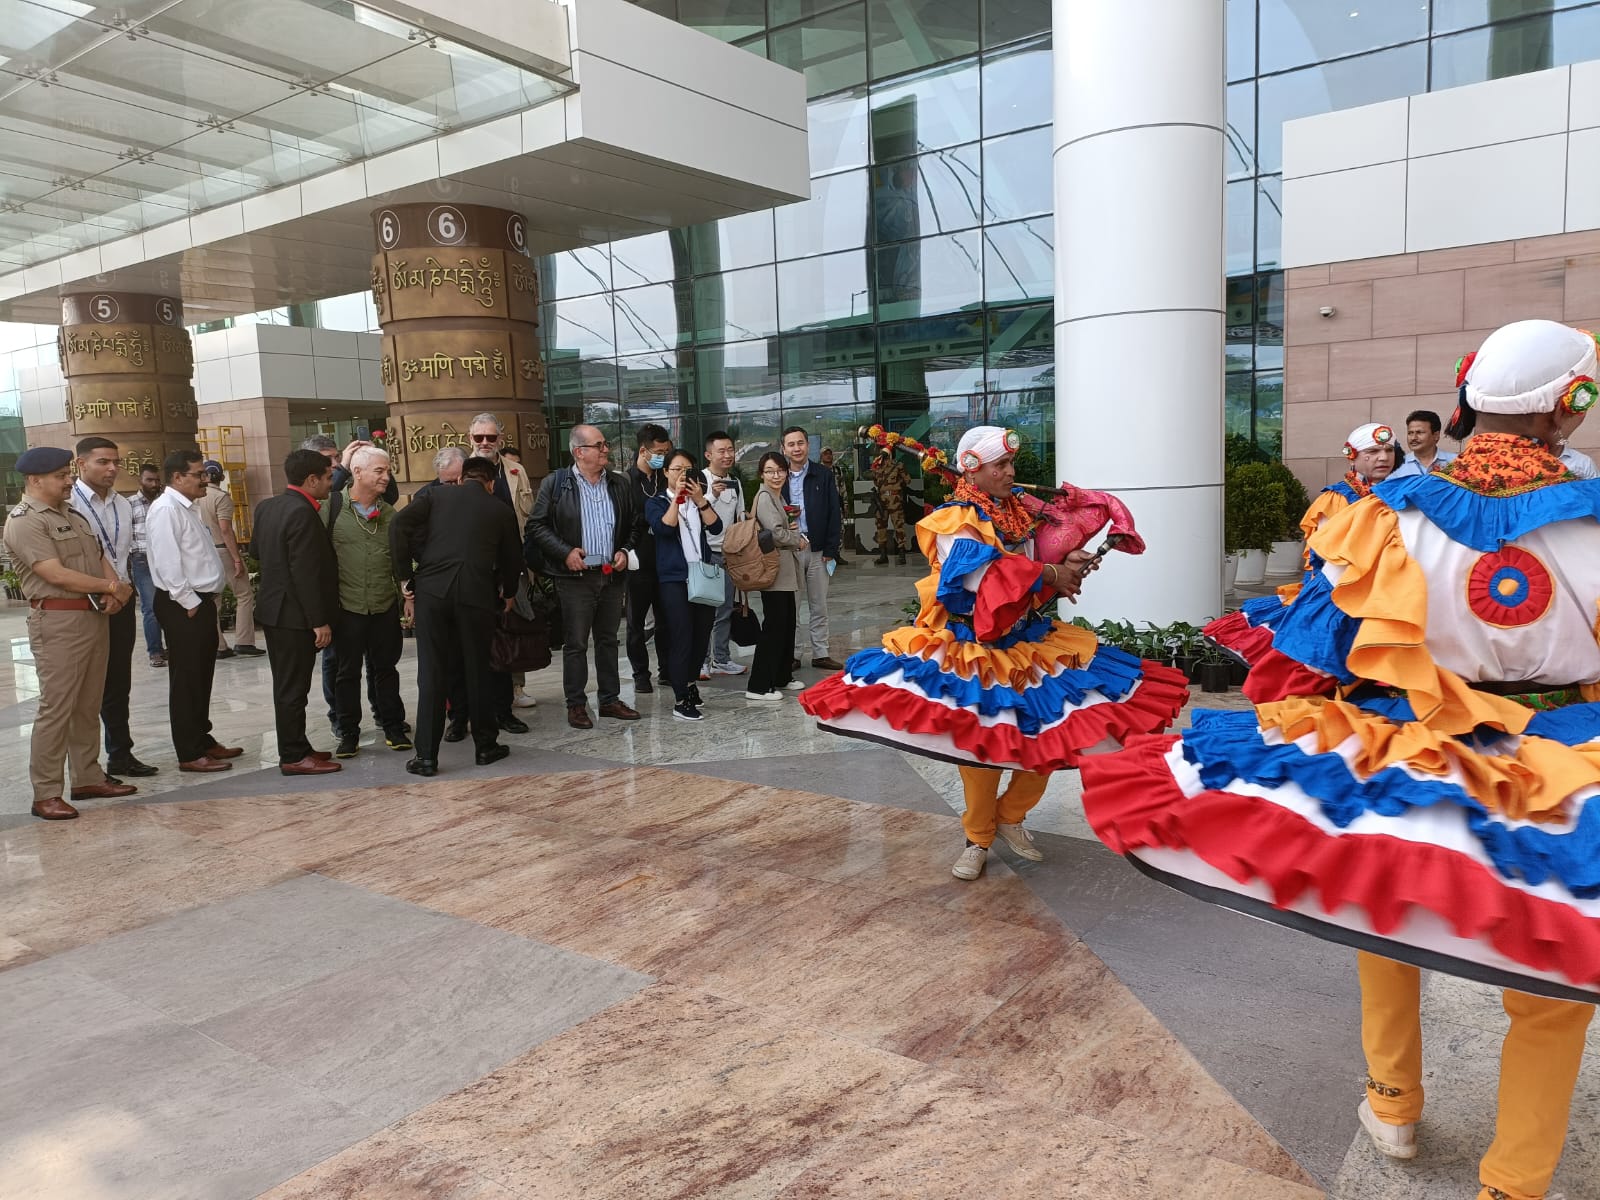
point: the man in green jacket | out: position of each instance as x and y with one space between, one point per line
370 605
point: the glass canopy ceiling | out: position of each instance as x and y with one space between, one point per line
120 115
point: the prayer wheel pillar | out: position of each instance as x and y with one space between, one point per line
129 367
458 300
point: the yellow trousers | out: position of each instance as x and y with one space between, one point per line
1538 1070
987 805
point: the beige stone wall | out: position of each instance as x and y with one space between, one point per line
1399 325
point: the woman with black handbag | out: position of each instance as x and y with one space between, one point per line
689 587
771 671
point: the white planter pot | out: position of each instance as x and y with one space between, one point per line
1285 558
1230 568
1252 566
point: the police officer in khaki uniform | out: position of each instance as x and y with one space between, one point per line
216 511
60 563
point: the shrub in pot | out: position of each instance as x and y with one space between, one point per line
1252 517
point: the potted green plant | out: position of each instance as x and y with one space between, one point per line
1284 557
1252 518
1215 671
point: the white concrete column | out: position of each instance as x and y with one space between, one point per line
1139 111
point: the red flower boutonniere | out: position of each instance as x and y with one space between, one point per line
607 569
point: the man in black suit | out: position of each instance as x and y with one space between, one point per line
297 601
468 560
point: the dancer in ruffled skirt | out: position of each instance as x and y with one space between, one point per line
1431 798
984 677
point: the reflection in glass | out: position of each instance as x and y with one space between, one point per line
836 127
1019 261
831 289
580 272
728 20
1022 348
935 356
1516 48
736 305
737 377
1241 39
834 218
936 193
1007 20
650 318
581 326
1239 323
830 49
829 367
1239 137
928 110
1269 320
581 390
1269 221
1268 411
1239 208
644 259
655 387
1238 404
1296 32
1017 86
907 34
1017 176
742 241
948 274
1450 15
1387 75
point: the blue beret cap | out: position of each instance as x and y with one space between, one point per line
43 460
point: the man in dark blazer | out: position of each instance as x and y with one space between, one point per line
297 601
468 559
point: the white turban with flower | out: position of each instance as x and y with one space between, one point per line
1367 437
1531 367
983 444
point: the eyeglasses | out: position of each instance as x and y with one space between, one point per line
676 470
593 446
486 437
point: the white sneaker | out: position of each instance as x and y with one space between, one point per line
795 685
1396 1141
970 864
521 699
770 697
727 668
1020 841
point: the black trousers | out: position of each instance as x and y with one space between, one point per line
447 634
688 634
641 587
292 655
775 649
330 677
191 666
373 639
119 679
591 605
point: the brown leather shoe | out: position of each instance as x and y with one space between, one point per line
619 710
103 791
205 763
54 809
322 755
310 765
827 664
578 716
218 751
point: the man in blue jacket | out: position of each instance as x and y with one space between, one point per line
811 489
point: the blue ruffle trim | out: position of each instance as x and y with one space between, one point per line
1344 489
1571 726
1263 612
1486 523
1227 745
1315 631
1028 630
966 555
1111 672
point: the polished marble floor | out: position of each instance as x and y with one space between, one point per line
660 960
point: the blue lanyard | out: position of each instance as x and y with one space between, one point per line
109 542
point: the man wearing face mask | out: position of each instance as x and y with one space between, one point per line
648 478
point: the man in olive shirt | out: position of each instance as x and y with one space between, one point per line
368 628
61 564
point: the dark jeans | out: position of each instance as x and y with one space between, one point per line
119 678
330 687
688 634
590 604
771 669
139 572
291 653
641 587
191 666
446 634
373 639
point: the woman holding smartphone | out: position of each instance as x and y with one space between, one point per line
771 672
680 517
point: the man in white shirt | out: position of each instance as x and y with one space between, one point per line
727 497
1422 439
188 575
94 495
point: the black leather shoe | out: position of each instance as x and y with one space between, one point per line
249 651
455 733
643 686
423 766
493 754
130 766
511 724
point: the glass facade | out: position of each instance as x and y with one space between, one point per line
914 287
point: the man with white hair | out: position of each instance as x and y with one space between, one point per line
367 629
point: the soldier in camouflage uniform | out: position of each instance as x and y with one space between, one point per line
841 480
890 480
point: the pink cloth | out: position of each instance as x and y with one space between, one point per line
1072 519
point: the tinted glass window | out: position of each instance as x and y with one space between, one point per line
1019 261
837 130
736 305
907 34
935 275
1241 49
835 217
1297 32
825 290
648 318
1387 75
927 110
1008 20
1017 88
1239 139
1017 172
829 366
936 193
639 260
830 48
580 326
1450 15
1516 48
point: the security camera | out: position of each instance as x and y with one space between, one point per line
1327 310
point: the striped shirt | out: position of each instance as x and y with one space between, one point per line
141 544
599 518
